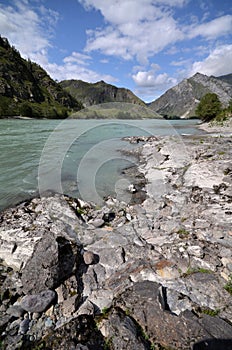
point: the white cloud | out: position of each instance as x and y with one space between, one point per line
150 79
31 31
149 84
144 28
217 63
75 67
212 29
77 58
23 26
140 37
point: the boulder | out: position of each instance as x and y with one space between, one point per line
53 261
150 310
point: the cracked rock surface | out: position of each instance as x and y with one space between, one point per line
150 275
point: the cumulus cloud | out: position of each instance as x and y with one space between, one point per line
134 29
77 58
144 28
212 29
76 67
217 63
24 27
31 29
150 79
150 84
143 41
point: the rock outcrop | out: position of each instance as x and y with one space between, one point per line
148 275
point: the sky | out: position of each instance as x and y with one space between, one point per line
147 46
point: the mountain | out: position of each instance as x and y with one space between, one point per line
26 89
96 93
182 99
227 78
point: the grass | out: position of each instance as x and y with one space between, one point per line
228 285
105 311
210 312
183 233
191 270
108 343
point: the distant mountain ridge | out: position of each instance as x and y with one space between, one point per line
182 99
100 92
27 90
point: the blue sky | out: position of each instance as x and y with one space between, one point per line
147 46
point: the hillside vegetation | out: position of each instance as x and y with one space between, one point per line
27 90
96 93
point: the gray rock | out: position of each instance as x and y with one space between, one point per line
24 325
150 309
69 306
15 310
97 222
54 260
122 332
38 302
89 258
48 323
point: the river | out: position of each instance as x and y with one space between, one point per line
76 157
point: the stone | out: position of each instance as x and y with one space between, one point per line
177 302
87 308
97 222
48 323
38 302
152 313
24 325
122 331
79 333
15 310
53 261
89 258
196 251
69 306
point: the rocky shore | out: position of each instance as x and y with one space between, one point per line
150 275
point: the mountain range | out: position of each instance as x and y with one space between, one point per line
182 99
27 90
100 92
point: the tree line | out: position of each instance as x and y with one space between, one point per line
210 108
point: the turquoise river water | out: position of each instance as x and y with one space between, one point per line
76 157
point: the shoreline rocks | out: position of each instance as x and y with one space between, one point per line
155 272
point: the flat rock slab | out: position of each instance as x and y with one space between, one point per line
38 302
145 302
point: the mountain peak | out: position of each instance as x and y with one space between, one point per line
182 99
99 92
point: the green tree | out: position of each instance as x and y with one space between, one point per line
230 106
209 107
25 109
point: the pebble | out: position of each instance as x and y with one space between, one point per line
24 325
97 222
38 302
89 258
195 251
48 323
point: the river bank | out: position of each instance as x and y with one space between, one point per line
150 275
213 127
